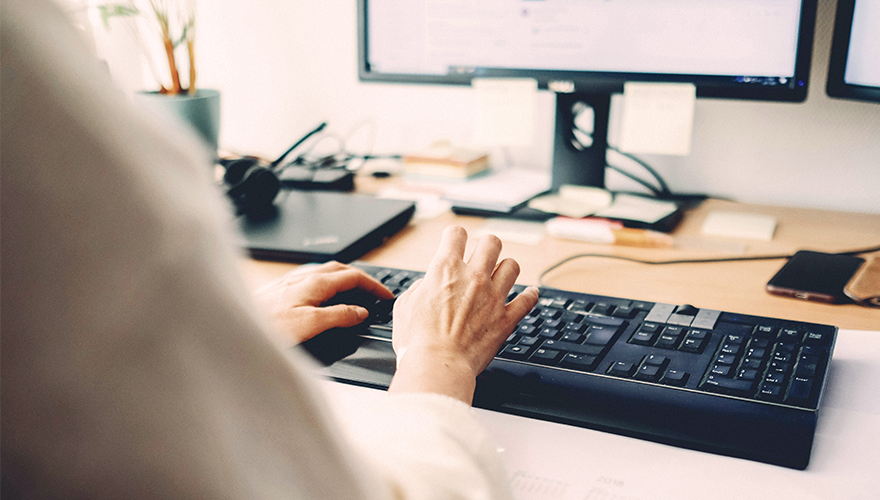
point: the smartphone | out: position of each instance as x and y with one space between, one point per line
815 276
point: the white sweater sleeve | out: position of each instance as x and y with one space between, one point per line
134 364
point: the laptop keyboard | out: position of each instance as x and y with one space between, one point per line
734 384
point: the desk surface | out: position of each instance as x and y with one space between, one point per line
548 461
553 461
731 286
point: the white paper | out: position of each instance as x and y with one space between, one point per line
506 110
637 208
499 191
658 118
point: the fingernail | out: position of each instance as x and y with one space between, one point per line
362 313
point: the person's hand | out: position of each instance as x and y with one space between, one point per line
449 325
293 302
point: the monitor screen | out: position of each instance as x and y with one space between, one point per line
854 68
585 50
753 49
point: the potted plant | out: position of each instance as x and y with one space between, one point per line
165 34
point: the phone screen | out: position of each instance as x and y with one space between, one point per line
815 276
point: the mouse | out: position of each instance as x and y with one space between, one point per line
337 343
379 309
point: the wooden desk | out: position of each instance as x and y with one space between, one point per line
733 286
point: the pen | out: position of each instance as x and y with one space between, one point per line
607 232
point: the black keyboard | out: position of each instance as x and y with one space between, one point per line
727 383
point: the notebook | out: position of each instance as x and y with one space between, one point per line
318 226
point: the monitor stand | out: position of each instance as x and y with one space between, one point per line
575 160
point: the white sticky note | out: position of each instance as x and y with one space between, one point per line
657 118
739 225
506 109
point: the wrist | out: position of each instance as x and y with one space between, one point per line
441 373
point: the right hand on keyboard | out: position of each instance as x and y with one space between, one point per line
449 325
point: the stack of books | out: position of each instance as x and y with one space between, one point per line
444 160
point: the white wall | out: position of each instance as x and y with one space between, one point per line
286 65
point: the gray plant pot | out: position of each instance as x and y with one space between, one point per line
200 110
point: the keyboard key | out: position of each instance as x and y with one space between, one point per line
766 331
730 386
657 360
756 352
731 349
790 335
514 352
721 370
590 350
602 309
580 307
600 334
800 389
526 329
642 338
577 338
528 341
621 369
667 342
580 362
698 333
674 377
624 312
647 372
816 338
604 320
725 359
550 314
807 366
735 339
549 333
545 356
650 327
770 391
553 323
752 363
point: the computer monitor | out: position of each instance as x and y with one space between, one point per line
854 67
585 50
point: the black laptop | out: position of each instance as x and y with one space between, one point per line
318 226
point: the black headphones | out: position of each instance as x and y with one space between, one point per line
251 187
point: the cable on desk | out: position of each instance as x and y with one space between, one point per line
685 261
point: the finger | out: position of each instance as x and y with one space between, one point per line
452 244
522 304
330 267
486 254
338 316
505 275
351 278
403 298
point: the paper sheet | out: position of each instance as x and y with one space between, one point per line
658 118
